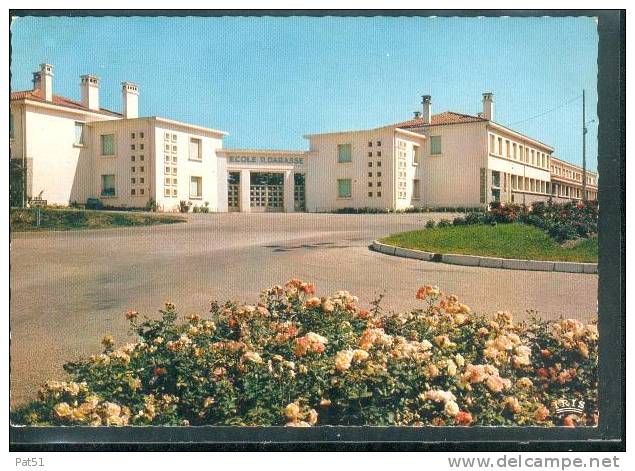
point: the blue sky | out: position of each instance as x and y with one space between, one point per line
268 81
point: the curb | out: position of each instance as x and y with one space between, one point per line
486 262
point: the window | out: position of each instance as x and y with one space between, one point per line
506 148
492 144
132 135
379 194
79 133
378 183
107 144
416 155
379 174
142 180
435 145
378 143
141 158
133 192
370 154
370 164
142 169
370 143
344 153
378 153
379 164
142 191
141 136
195 149
370 184
416 189
500 146
132 158
132 146
196 187
515 151
370 174
370 194
344 188
133 181
107 185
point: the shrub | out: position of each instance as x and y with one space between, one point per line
296 359
459 221
151 205
184 206
430 224
444 223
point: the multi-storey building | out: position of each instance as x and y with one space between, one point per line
76 150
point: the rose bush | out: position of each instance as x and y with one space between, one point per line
299 360
562 221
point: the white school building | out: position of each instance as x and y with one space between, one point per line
74 150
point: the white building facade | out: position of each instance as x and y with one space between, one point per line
77 150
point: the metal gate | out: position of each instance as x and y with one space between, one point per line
233 197
266 198
299 198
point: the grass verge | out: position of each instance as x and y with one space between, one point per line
518 241
25 220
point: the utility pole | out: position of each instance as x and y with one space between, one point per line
584 131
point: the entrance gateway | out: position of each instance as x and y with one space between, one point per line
265 181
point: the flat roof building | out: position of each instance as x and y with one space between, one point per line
73 150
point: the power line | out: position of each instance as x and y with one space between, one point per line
549 111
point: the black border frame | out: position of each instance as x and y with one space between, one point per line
608 436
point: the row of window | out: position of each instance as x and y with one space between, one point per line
108 143
108 186
512 150
571 174
345 151
345 188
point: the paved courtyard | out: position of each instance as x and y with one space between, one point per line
70 288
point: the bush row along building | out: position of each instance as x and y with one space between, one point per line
76 150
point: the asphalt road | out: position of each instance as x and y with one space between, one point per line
68 289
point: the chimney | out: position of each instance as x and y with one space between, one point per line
46 81
130 95
417 114
427 109
90 92
37 81
488 106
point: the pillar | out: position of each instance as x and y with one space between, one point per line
245 184
289 188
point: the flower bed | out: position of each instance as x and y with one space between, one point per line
298 360
562 221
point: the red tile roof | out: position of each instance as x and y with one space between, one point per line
447 117
35 95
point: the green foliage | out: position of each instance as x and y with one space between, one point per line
71 219
298 360
562 221
184 206
516 240
16 183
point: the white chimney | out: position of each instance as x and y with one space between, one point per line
90 92
427 109
46 81
488 106
130 95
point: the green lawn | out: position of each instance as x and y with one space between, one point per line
23 220
503 240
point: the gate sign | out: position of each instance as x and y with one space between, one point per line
265 160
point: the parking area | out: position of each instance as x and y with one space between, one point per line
68 289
